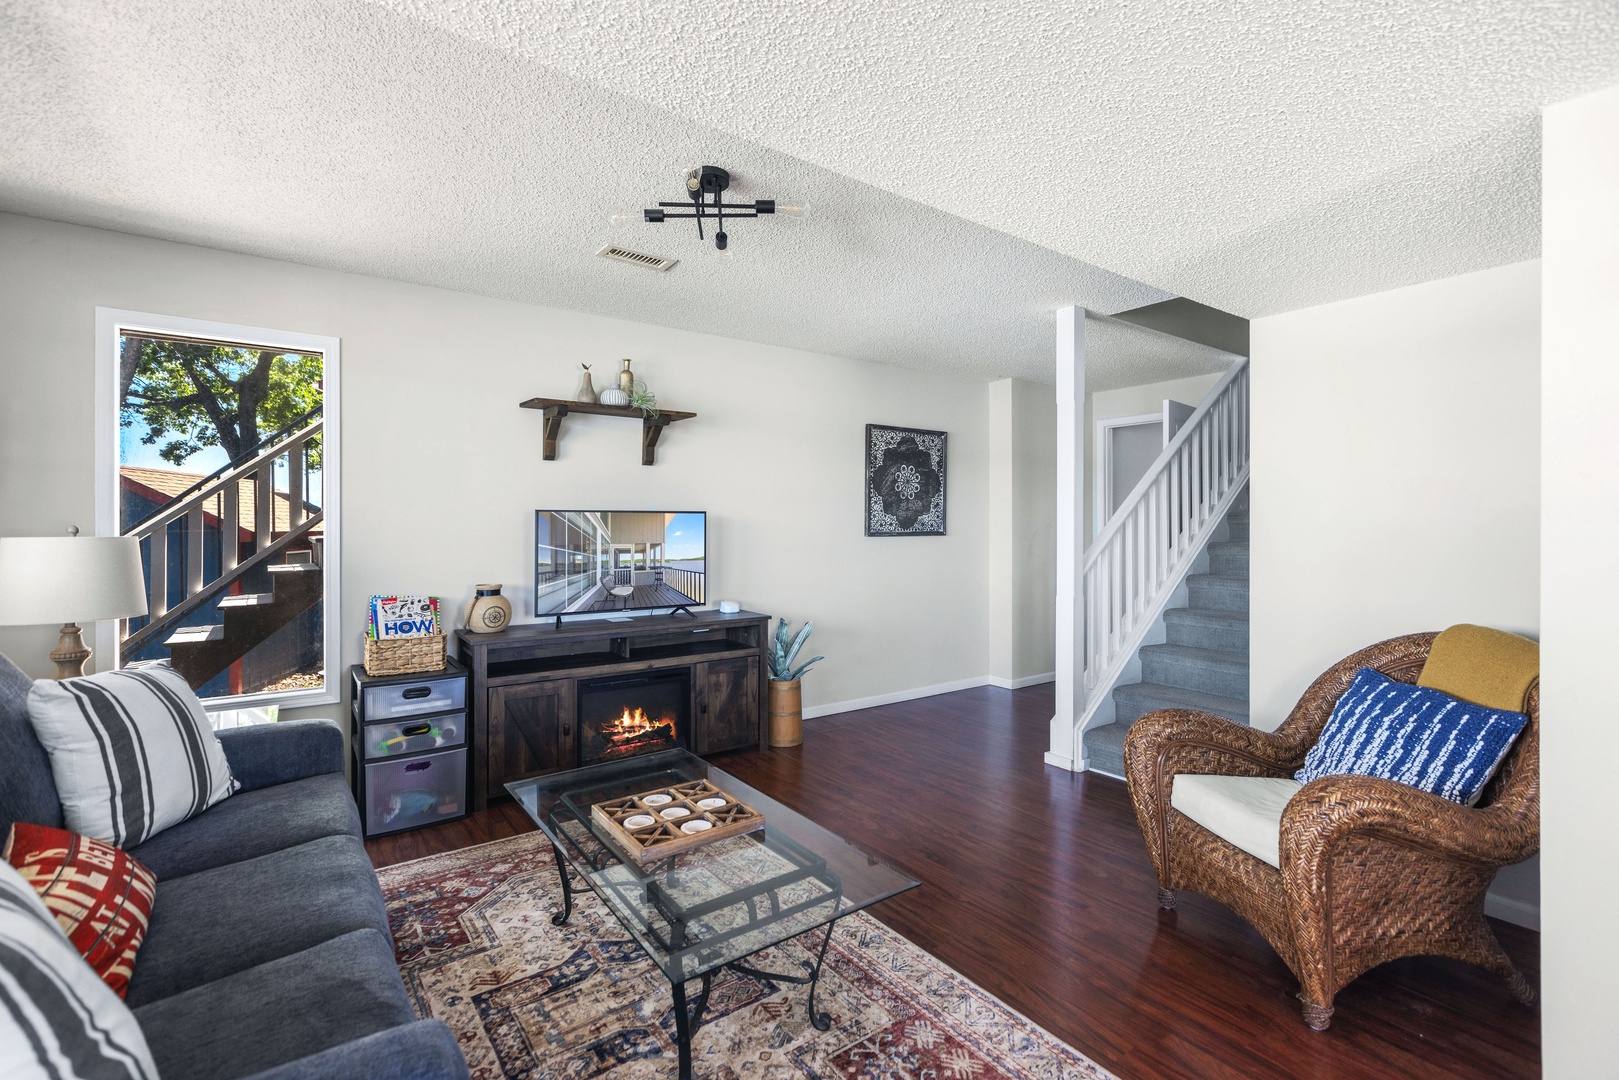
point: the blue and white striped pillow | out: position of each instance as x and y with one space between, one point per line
58 1020
131 751
1414 735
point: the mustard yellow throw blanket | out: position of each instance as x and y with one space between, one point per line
1486 667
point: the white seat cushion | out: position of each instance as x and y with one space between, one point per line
1245 811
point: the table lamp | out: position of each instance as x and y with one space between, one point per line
45 579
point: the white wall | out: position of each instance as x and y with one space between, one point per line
1131 401
1022 563
774 454
1396 481
1579 590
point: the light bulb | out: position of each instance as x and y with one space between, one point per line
624 217
791 208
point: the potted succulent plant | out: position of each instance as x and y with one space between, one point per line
786 690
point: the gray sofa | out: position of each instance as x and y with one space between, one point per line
268 953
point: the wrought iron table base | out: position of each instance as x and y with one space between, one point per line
561 917
688 1018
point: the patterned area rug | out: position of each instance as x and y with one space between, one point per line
472 931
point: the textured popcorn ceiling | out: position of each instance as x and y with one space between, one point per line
343 136
1254 155
972 167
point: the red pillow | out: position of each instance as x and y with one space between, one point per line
100 896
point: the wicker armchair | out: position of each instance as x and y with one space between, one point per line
1371 870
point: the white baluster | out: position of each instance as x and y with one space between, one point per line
157 562
1114 574
264 505
295 485
1128 558
195 531
230 540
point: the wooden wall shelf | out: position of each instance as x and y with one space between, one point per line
555 409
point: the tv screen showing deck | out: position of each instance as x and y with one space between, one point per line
589 561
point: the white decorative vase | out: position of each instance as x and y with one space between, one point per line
613 396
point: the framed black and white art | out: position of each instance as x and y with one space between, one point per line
904 481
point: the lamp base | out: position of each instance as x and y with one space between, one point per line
70 653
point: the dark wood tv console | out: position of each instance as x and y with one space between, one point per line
524 679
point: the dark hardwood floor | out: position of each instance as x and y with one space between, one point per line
1037 887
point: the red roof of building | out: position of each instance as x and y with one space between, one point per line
164 485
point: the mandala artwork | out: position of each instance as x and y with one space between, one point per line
904 481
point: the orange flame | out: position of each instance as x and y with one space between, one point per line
637 724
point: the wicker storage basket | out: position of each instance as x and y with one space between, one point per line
401 656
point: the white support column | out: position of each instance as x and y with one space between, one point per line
1579 515
1003 613
1066 752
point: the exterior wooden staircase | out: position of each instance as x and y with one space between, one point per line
201 652
209 519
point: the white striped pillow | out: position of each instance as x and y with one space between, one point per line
58 1020
131 751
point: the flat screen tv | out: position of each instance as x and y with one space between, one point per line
598 562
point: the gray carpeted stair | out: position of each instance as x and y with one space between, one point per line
1204 663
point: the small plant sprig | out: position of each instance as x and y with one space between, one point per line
782 657
643 399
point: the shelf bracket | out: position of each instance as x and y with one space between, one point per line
553 428
651 428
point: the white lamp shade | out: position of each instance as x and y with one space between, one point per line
63 579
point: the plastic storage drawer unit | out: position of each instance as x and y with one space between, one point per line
415 791
415 698
399 737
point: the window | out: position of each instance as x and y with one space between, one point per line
217 446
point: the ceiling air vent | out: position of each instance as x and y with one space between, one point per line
636 258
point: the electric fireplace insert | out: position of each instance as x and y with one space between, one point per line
625 716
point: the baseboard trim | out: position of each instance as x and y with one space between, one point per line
1517 912
856 704
1019 684
1060 761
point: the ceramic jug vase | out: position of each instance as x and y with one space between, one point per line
489 611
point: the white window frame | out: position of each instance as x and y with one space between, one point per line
113 322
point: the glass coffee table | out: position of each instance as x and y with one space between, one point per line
715 905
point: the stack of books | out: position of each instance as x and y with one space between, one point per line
402 617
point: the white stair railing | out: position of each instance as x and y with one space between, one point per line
1132 570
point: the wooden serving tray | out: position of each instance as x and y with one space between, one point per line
663 837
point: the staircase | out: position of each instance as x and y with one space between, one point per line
201 652
221 551
1163 590
1203 663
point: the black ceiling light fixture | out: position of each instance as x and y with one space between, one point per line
705 188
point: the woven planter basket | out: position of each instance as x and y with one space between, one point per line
401 656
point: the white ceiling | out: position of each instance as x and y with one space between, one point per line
342 136
971 167
1254 155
